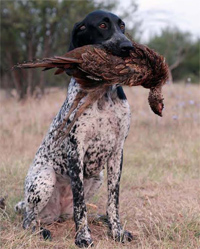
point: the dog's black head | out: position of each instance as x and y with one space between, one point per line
101 27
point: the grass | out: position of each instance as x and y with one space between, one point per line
160 194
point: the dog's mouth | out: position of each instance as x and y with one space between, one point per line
122 50
122 53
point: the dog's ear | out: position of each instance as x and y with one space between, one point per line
73 43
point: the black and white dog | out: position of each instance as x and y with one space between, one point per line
62 178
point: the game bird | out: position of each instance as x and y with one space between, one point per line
96 69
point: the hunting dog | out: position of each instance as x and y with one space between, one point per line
62 178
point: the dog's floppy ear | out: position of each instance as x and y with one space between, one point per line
73 43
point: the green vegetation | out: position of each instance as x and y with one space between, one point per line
38 29
181 53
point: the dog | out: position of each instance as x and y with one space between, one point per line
62 178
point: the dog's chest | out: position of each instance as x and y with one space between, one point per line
97 133
101 130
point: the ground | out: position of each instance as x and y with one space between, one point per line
160 191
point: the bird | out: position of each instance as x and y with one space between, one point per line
96 69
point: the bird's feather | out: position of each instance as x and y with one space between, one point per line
95 69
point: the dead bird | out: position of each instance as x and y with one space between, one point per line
95 69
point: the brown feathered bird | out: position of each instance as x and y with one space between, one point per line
95 69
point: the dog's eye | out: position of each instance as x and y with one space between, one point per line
82 27
103 26
122 26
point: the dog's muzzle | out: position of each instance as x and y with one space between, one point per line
125 47
119 45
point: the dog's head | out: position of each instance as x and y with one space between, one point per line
101 27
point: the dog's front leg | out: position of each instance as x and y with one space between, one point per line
114 174
83 238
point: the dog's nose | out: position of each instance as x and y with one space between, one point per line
126 46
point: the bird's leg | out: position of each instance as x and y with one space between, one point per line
75 103
90 99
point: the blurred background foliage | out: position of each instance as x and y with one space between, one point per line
38 29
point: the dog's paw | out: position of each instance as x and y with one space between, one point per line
26 223
122 236
83 238
29 217
46 234
127 236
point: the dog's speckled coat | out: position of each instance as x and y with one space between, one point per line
76 165
63 176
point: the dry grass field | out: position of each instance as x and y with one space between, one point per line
160 187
